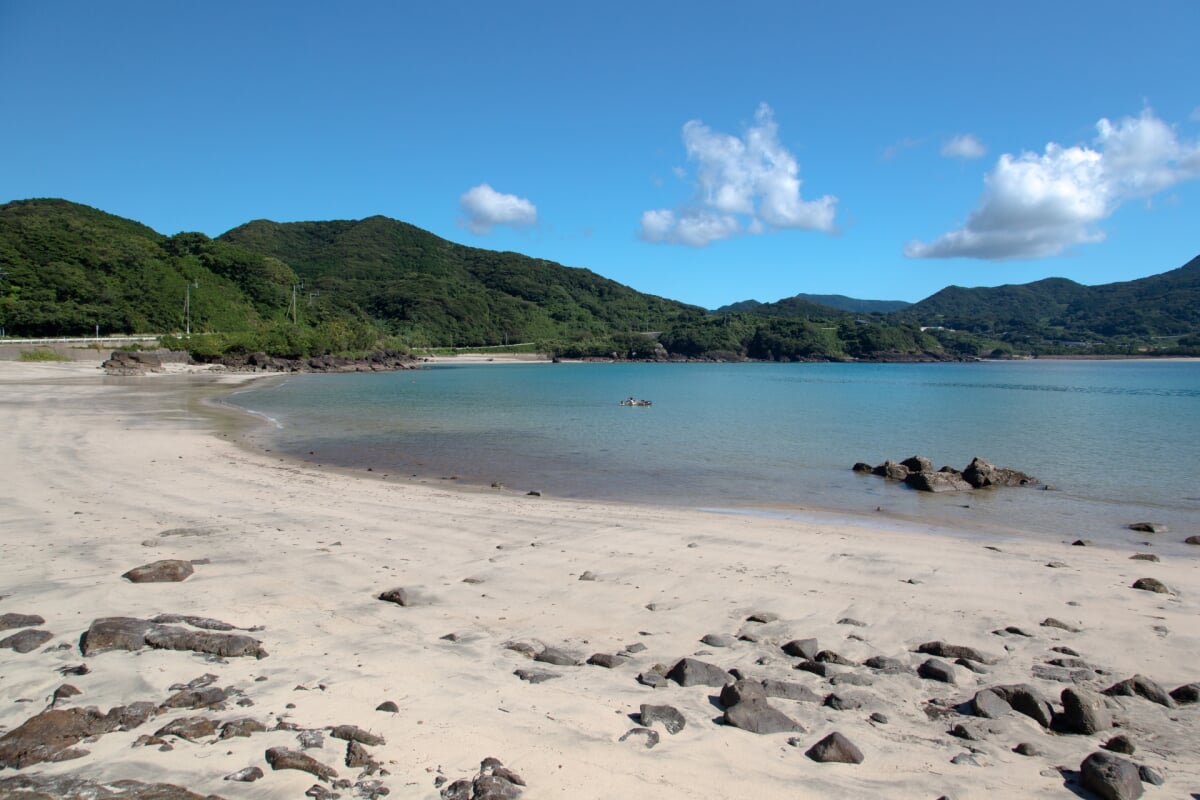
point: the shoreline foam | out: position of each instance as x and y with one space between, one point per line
107 474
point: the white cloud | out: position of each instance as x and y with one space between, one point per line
907 143
965 145
743 185
485 208
1038 205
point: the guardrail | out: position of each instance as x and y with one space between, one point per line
81 339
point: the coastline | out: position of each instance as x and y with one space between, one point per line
110 473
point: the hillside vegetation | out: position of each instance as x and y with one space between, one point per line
345 287
1161 312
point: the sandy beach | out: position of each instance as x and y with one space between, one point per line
102 475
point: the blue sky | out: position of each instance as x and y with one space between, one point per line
707 152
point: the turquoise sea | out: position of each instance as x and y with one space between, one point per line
1119 441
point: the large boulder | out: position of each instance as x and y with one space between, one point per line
114 633
1027 700
1084 711
1141 686
11 620
1110 777
917 464
835 749
891 470
26 641
936 482
694 672
52 735
980 473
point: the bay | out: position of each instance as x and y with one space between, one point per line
1117 440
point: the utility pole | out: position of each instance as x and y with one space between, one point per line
187 304
294 288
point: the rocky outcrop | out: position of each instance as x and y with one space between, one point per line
130 633
382 361
918 473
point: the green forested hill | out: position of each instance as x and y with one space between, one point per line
69 268
432 291
308 288
1058 310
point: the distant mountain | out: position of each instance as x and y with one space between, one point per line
1160 305
802 305
432 291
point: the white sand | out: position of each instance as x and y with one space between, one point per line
96 470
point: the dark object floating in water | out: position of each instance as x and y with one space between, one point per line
630 401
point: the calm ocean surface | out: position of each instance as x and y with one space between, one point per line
1118 440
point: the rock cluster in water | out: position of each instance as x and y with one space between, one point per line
918 473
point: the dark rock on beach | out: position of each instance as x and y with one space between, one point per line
1151 585
1084 711
217 644
535 675
1187 694
247 775
935 670
553 655
943 650
1148 527
607 660
129 633
282 758
353 733
189 728
754 713
1110 777
400 596
26 641
9 621
693 672
72 787
802 648
52 735
669 716
169 570
1140 686
201 697
114 633
835 748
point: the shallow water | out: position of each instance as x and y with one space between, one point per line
1116 439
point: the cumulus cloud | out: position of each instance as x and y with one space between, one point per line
483 208
746 184
1037 205
965 145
